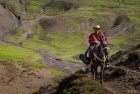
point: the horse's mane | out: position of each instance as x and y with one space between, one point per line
100 52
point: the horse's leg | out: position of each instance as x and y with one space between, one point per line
94 71
102 73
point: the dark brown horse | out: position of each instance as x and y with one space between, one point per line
98 58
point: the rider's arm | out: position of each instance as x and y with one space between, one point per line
104 38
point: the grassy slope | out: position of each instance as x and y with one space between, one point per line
66 45
101 12
121 41
21 54
69 44
16 53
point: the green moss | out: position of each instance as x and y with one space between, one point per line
51 12
16 36
16 8
58 73
72 43
81 85
101 12
121 41
17 53
36 64
71 23
36 5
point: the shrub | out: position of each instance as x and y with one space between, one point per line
133 56
119 72
81 85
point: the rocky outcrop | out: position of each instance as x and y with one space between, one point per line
121 19
121 27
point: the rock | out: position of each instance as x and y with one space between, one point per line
121 27
121 19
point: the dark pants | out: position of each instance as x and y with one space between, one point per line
86 58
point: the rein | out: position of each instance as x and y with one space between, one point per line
98 58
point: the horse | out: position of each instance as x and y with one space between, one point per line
98 58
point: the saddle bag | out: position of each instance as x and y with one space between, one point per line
84 59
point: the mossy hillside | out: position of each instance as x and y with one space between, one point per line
67 44
19 54
122 41
15 7
64 44
55 10
98 12
14 52
75 84
17 35
104 12
35 6
131 59
9 52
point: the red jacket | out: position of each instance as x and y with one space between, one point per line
95 38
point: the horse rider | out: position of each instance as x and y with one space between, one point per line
95 39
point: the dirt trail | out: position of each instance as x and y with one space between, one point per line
57 63
53 61
126 84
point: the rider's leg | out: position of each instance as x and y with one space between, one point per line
92 50
106 51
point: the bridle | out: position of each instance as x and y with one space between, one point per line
99 58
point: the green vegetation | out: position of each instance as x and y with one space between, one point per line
58 73
69 44
19 54
120 71
128 58
19 32
36 5
81 85
13 6
132 59
66 41
72 43
16 53
121 41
